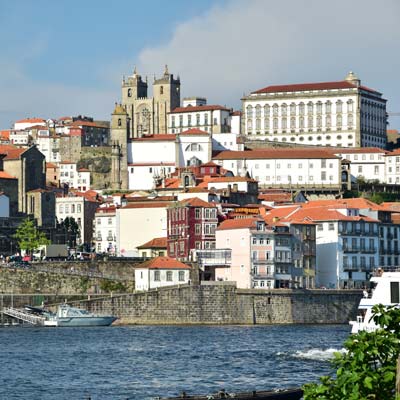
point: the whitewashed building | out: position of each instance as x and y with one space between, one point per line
281 167
161 272
195 113
20 138
392 167
25 123
152 157
340 114
75 178
49 146
105 230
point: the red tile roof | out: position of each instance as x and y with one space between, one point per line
278 153
230 179
199 108
196 202
11 152
30 120
51 165
148 204
156 243
241 223
194 131
358 203
299 87
5 134
5 175
163 263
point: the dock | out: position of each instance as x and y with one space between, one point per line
24 316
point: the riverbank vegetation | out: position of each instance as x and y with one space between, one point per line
366 370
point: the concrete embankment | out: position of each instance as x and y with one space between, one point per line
223 303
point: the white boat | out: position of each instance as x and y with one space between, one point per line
385 290
71 316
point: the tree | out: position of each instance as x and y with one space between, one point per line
71 230
367 368
28 237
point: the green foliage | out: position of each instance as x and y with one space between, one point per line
111 286
28 237
71 230
377 198
367 368
101 164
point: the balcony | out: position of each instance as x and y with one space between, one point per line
256 260
110 238
214 257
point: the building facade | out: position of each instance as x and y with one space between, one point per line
340 114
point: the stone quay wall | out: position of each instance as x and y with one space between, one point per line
223 303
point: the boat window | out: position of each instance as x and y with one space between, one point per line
394 292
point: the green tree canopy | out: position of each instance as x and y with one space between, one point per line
71 229
28 237
366 370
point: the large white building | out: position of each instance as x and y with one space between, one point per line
340 114
105 229
281 167
75 178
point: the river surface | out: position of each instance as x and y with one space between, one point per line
142 362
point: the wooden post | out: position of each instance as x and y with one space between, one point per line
398 379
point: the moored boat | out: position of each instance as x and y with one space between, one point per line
74 317
384 289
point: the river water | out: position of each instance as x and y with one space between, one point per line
142 362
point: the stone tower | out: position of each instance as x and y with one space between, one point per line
149 115
133 89
119 143
167 96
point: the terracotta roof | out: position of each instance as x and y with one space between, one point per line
51 165
5 134
148 204
5 175
85 123
163 263
358 203
342 150
395 152
299 87
194 131
280 153
160 136
236 113
156 243
240 223
199 108
30 120
391 206
11 152
210 164
196 202
275 197
83 170
230 179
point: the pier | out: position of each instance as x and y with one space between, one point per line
24 316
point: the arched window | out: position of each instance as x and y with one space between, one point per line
258 111
339 106
284 109
292 109
161 89
310 107
319 107
319 121
301 122
266 124
293 123
275 108
328 107
275 123
350 120
301 108
119 122
284 123
193 147
350 106
267 110
258 123
339 121
310 122
129 92
328 121
249 124
249 111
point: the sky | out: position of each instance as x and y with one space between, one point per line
68 57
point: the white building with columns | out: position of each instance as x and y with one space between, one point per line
340 114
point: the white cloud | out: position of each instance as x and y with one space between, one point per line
245 45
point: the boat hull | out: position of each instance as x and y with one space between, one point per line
81 321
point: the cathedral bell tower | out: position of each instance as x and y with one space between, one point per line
133 89
119 143
167 96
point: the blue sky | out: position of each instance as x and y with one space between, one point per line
68 57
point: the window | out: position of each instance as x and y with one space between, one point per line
284 109
328 107
157 276
320 227
338 106
169 276
350 106
258 111
249 111
301 108
161 89
61 209
181 120
331 226
197 213
189 120
172 122
319 107
78 208
323 175
310 107
292 109
197 228
181 276
275 109
198 119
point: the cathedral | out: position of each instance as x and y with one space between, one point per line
139 115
